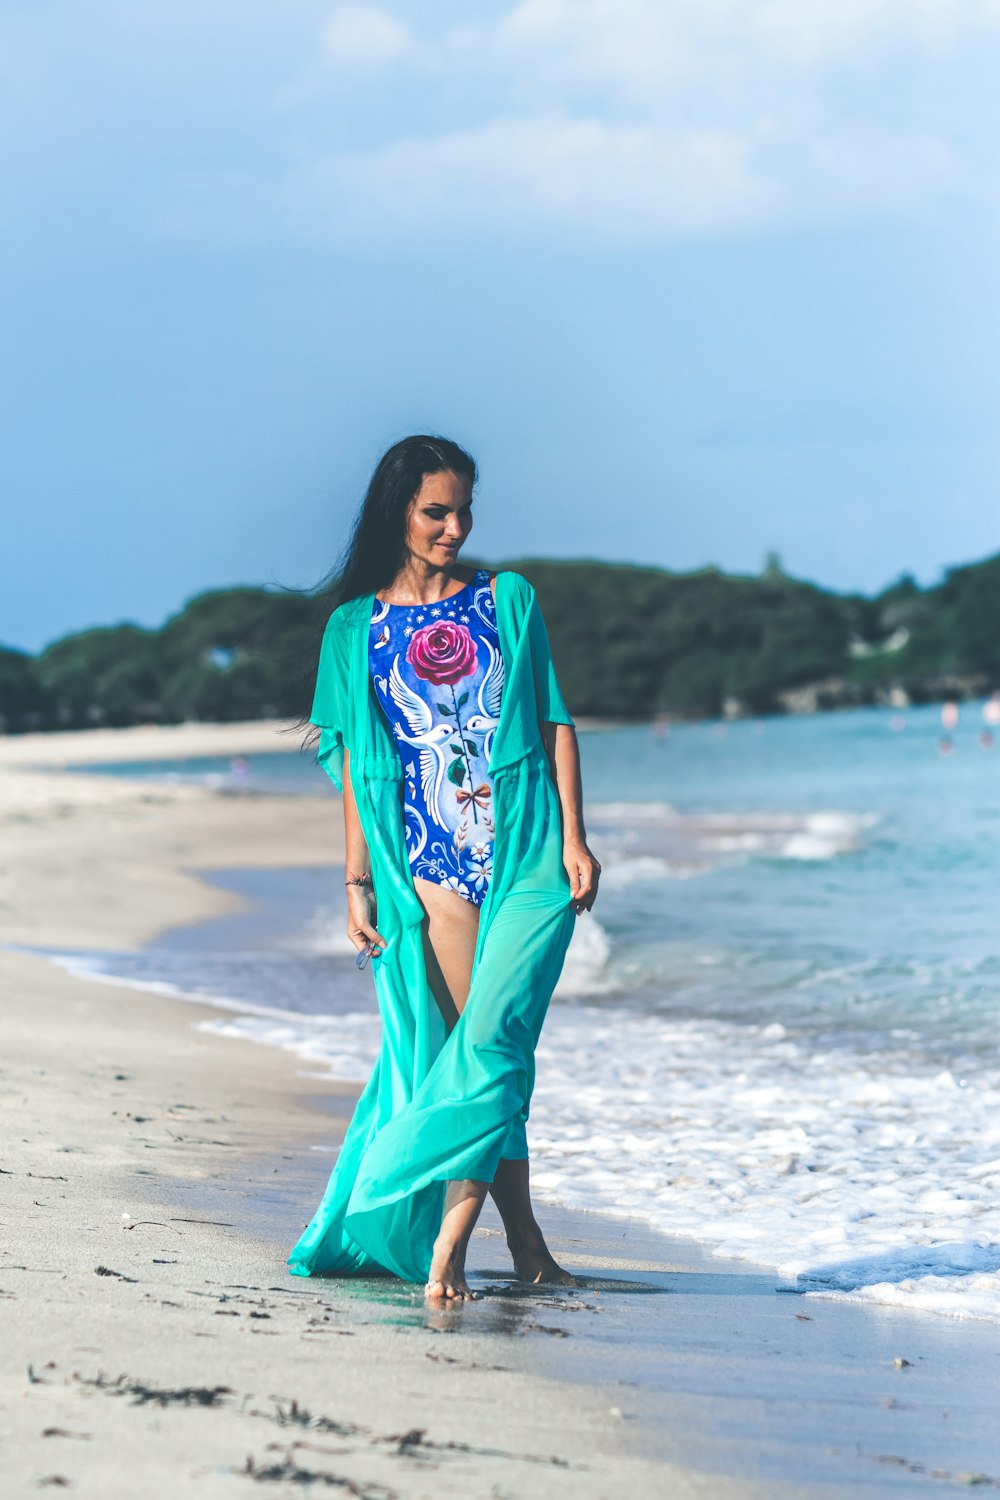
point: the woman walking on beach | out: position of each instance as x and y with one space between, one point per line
442 722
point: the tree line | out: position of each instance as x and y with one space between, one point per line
629 642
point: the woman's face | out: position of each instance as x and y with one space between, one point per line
439 519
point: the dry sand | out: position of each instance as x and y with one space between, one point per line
148 742
154 1175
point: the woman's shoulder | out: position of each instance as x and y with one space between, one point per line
509 575
513 583
345 615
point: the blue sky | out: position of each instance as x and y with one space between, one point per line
692 279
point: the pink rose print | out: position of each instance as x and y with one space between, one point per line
442 653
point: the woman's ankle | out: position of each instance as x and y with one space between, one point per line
448 1247
524 1236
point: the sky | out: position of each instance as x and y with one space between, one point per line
692 279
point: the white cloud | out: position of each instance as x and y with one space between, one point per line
590 121
361 36
576 181
635 37
630 121
817 31
522 177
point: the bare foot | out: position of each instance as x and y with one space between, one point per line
534 1263
446 1281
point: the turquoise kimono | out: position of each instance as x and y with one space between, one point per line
441 1105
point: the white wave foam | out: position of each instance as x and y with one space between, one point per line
346 1046
326 933
812 836
629 812
688 843
618 874
585 971
854 1176
958 1295
826 835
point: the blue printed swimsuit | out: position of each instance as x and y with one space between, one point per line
438 676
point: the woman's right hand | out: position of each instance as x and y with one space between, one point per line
361 912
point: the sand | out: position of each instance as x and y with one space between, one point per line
154 1176
154 1346
94 861
153 1341
149 742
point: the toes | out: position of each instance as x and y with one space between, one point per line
448 1292
438 1288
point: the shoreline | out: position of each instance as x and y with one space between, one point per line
654 1374
195 739
670 1370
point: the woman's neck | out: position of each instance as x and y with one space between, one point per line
418 582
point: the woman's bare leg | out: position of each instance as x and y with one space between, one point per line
451 928
512 1196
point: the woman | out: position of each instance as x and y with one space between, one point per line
466 864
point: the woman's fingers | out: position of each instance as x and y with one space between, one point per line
585 891
362 934
584 872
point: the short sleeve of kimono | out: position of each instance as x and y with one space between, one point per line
551 704
329 709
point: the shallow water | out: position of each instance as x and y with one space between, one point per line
779 1032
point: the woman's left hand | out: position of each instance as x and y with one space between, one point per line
584 873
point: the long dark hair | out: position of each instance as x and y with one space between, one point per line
376 549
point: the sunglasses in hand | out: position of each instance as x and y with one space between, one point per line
370 950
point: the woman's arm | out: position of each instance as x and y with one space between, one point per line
361 907
582 868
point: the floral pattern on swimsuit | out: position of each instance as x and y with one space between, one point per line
437 672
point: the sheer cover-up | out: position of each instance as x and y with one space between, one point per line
442 1105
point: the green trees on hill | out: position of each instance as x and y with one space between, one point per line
238 654
24 703
230 654
104 676
638 641
629 642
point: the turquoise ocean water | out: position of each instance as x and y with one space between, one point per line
778 1031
